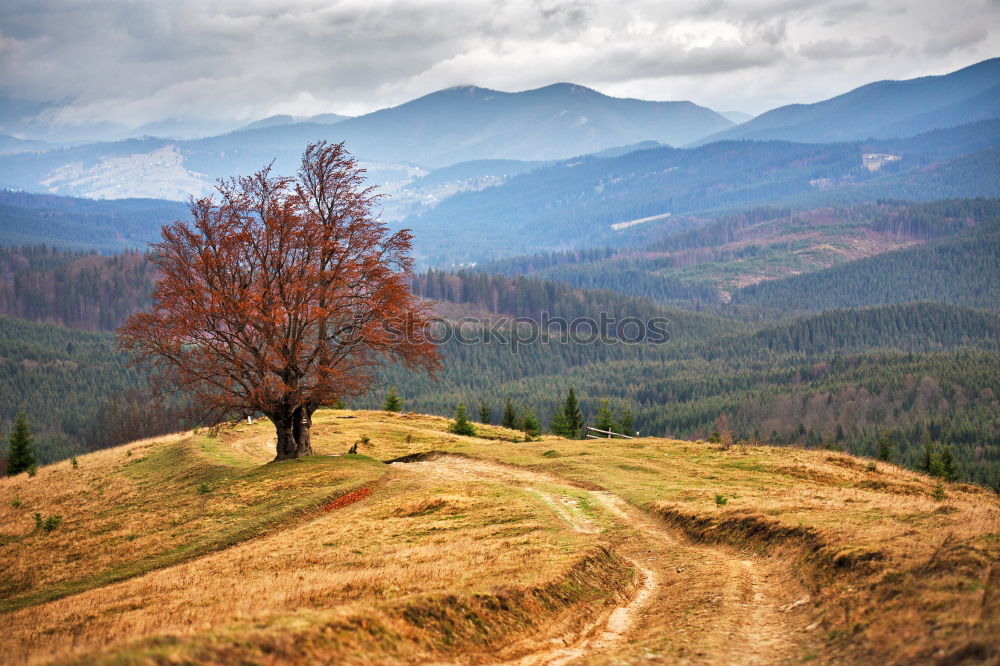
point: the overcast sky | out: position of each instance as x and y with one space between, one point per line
135 61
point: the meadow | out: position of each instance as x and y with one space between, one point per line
484 549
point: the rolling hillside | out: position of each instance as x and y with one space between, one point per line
82 224
962 270
589 202
776 378
191 548
722 260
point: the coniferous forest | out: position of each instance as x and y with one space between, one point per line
900 346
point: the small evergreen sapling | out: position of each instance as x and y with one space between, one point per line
559 423
530 424
48 523
393 403
885 446
485 416
605 418
461 424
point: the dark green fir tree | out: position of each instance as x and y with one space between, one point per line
885 446
509 414
20 455
573 414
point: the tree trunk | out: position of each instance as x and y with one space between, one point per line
302 420
293 429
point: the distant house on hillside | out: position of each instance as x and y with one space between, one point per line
874 161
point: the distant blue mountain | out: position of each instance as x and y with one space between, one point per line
557 121
885 109
285 119
437 130
469 123
11 145
577 203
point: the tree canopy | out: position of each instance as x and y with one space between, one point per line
282 295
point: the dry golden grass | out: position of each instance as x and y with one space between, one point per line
416 536
895 572
150 504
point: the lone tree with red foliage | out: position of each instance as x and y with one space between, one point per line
283 295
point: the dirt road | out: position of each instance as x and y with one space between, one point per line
695 604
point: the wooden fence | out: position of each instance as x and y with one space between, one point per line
605 434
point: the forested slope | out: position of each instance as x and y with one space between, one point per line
749 254
842 378
75 289
574 203
963 270
64 381
75 224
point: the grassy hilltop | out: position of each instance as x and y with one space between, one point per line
191 548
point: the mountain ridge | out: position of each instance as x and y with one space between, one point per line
874 109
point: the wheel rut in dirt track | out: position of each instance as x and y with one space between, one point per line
696 603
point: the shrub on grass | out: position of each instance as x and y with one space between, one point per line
46 523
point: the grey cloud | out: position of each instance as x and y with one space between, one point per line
136 61
835 14
956 40
839 49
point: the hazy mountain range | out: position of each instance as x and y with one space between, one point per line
510 157
437 130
